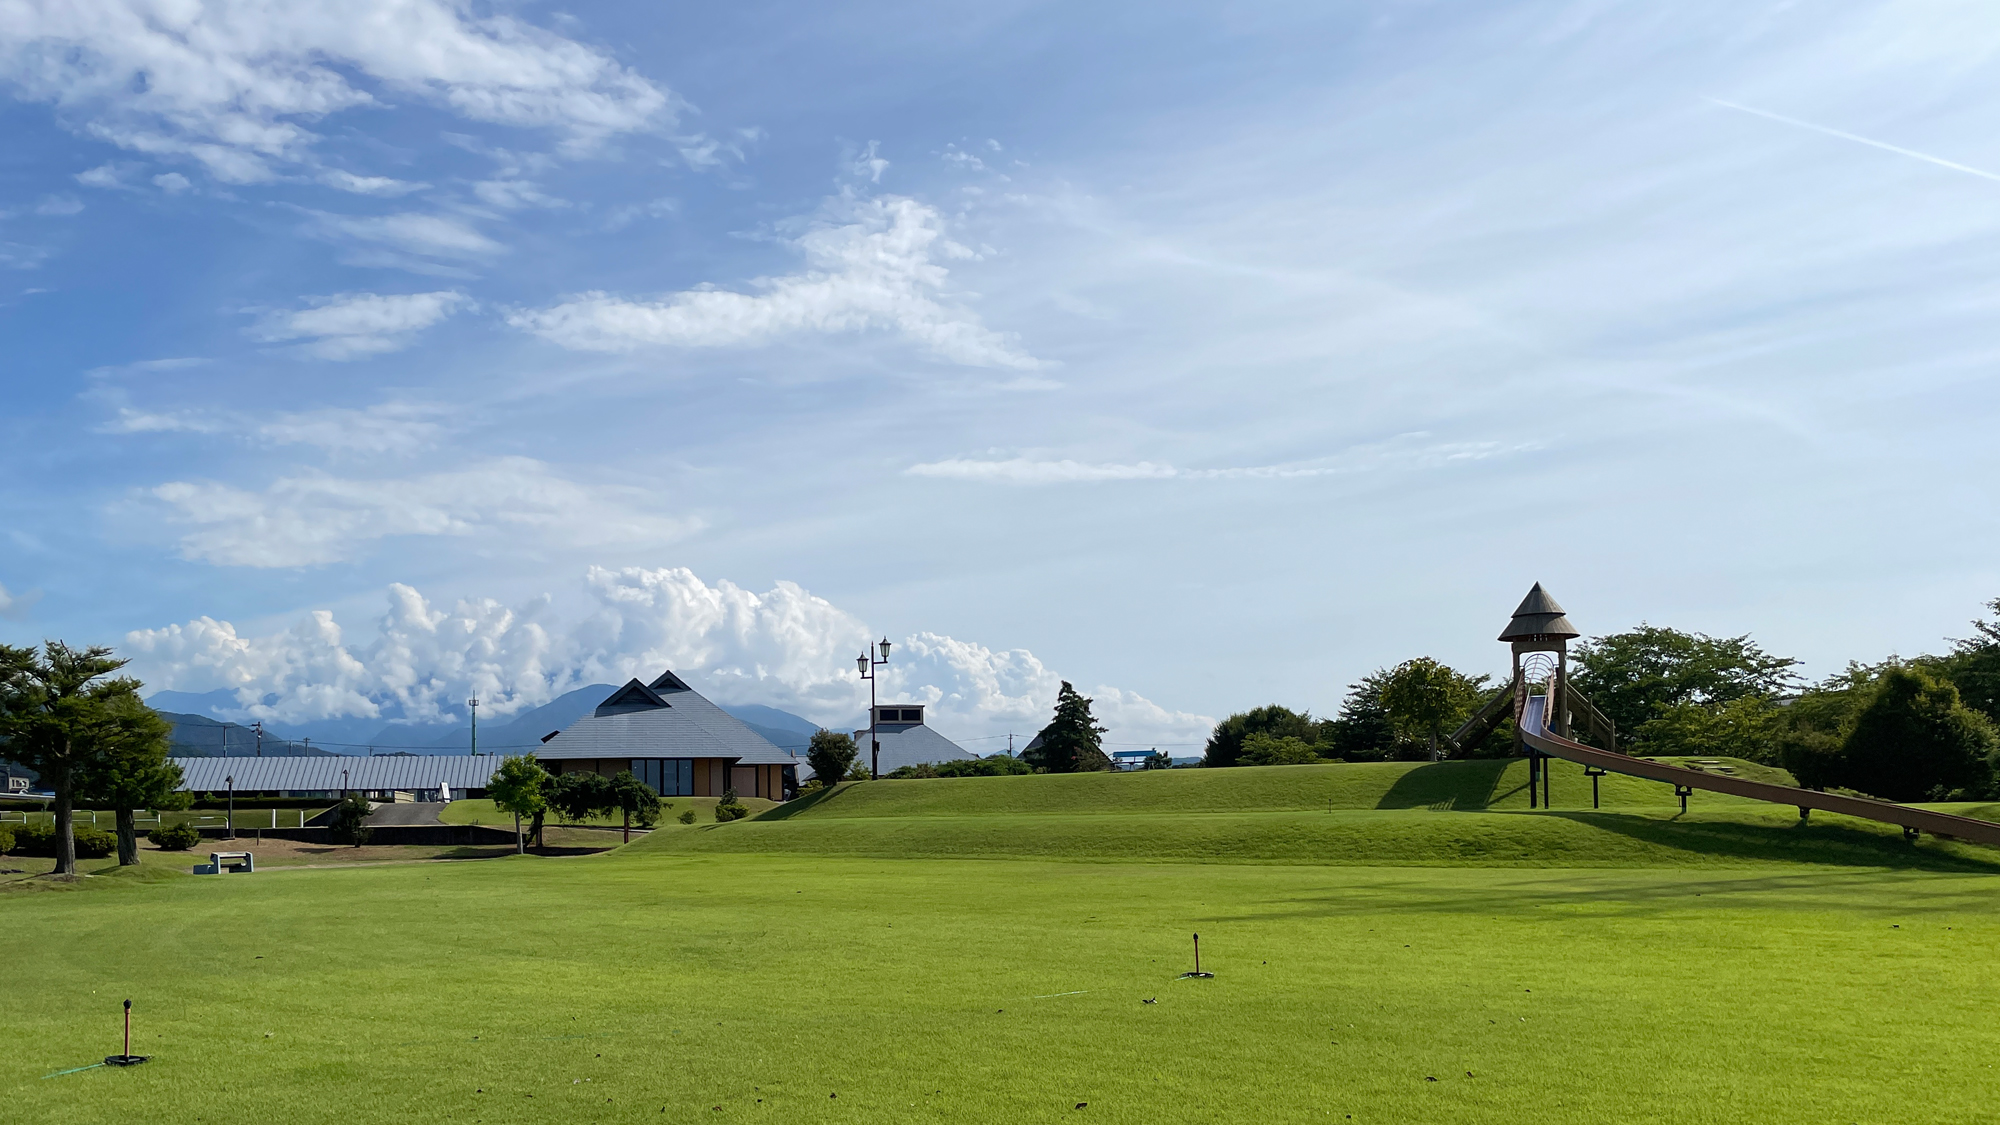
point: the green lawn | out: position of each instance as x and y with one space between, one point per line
1725 967
483 812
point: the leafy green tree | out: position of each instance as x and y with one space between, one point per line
1915 740
1973 666
579 796
1158 760
1750 727
1225 742
1072 742
831 755
134 772
634 799
517 787
61 717
1360 732
1423 699
1637 676
1263 749
350 819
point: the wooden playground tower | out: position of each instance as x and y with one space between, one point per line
1550 717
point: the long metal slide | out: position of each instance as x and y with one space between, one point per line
1533 725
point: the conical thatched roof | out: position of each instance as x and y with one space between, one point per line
1538 617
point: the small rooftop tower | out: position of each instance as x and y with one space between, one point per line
1539 625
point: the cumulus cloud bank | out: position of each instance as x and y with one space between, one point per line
872 267
784 647
234 84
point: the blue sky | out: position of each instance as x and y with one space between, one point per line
365 357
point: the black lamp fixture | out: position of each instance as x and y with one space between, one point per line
867 663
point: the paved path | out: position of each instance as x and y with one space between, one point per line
416 812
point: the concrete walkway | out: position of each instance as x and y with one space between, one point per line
416 812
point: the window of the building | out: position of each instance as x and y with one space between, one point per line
913 714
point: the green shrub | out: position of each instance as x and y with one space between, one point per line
729 808
6 839
40 840
174 837
686 817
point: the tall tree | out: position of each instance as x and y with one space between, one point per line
1915 741
1422 699
1639 675
1072 742
1360 732
831 755
1974 666
517 787
134 772
579 796
61 717
1225 742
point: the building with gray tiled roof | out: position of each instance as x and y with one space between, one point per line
907 740
674 740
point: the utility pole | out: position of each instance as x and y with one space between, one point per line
309 746
473 704
867 663
258 726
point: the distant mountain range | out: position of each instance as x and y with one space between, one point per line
199 731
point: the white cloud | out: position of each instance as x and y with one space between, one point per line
173 183
59 205
783 647
133 421
430 236
351 325
234 84
144 366
386 428
514 195
651 209
1407 452
318 518
368 185
15 607
105 176
870 270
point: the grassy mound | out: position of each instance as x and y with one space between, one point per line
1498 784
1432 814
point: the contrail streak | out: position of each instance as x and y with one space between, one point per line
1883 145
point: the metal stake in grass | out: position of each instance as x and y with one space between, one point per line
1198 974
128 1058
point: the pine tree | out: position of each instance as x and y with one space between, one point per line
1072 742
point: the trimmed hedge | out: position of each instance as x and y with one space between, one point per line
40 840
175 837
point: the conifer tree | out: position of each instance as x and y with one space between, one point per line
1072 742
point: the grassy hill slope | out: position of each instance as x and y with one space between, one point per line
1447 813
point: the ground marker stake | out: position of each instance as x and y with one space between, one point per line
1198 974
128 1058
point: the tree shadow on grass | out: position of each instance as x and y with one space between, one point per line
1813 842
1448 785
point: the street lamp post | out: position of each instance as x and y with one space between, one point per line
867 663
229 826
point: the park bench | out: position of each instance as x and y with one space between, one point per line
223 862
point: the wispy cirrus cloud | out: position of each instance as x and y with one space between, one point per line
872 266
1400 454
354 325
313 518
